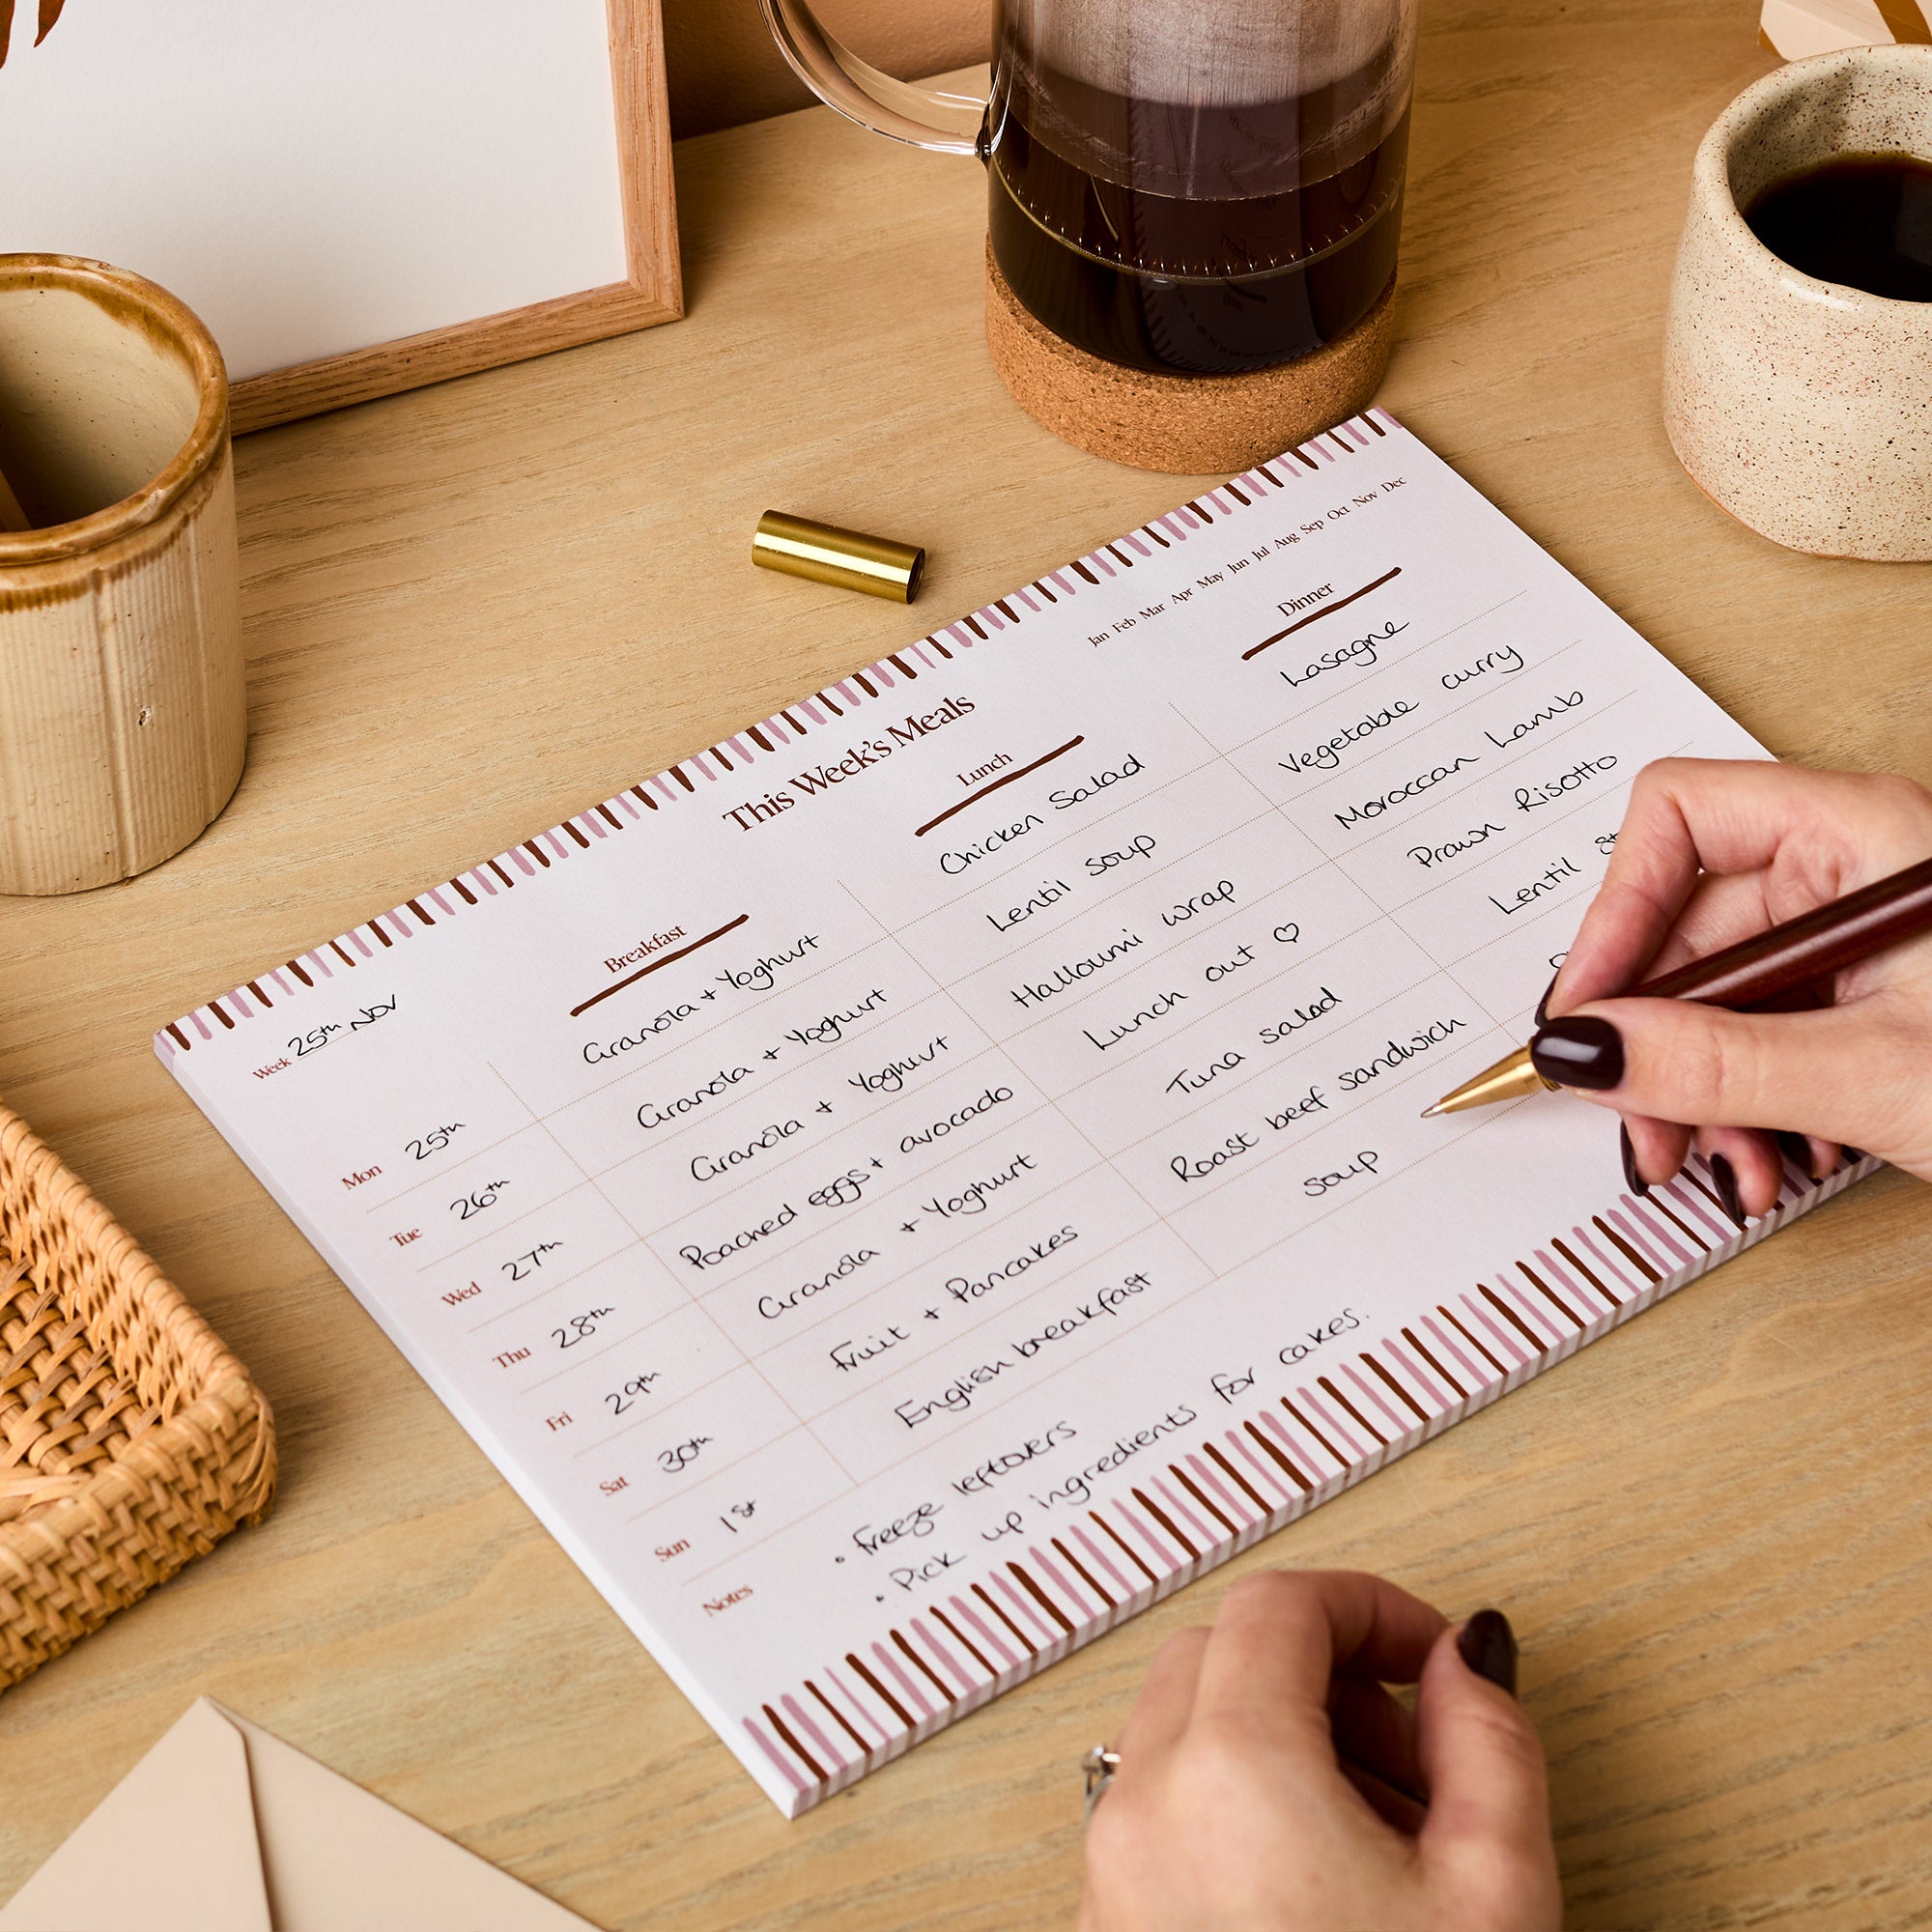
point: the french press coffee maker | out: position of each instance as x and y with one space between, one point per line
1193 209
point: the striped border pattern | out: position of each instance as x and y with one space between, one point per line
1246 1477
441 904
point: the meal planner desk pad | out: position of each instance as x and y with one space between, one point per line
930 1175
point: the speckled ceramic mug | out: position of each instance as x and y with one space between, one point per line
1803 408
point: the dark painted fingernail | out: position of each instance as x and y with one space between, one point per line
1637 1181
1542 1004
1726 1178
1798 1152
1579 1052
1488 1646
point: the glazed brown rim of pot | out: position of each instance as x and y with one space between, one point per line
160 314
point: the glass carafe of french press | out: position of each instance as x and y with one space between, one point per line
1181 187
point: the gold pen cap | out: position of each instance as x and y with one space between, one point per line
848 558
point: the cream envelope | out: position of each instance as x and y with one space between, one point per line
223 1828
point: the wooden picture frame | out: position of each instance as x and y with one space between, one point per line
359 200
652 292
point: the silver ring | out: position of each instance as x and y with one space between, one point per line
1098 1769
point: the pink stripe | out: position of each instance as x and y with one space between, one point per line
163 1045
1214 498
961 635
282 985
1539 1317
1026 597
856 1706
914 1695
1382 415
661 785
1238 1507
1436 1397
238 1004
1658 1230
1094 557
771 1751
1134 544
1356 1453
1268 1480
1481 1377
590 823
321 964
953 1665
201 1026
1257 482
991 616
1634 1236
1131 1518
1311 1453
1370 1393
1101 1561
1078 1598
1506 1343
1593 1298
522 864
803 1719
743 749
436 899
1060 582
1607 1264
990 1638
845 690
1173 526
810 710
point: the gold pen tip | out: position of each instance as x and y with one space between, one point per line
1431 1112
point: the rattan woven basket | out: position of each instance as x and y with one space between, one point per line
130 1439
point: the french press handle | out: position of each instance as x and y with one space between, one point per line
948 123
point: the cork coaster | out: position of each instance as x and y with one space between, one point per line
1188 425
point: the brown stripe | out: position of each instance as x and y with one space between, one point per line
1907 24
1372 423
1193 503
793 722
295 967
1630 1254
663 959
1234 1475
1079 1569
845 1722
1421 1414
1416 1343
1194 1489
865 684
1563 1249
643 797
1269 475
939 647
1548 1293
1019 1636
831 704
1127 1548
1006 779
682 776
1045 1601
1126 563
215 1007
179 1035
1044 592
1503 1309
719 755
1659 1206
1323 1382
945 1694
616 823
1081 568
1302 457
898 1708
537 853
501 874
1006 610
1315 616
1235 492
964 1642
973 625
779 1724
1472 1340
416 906
376 926
899 664
1302 1482
340 953
1157 536
570 827
469 898
757 738
1160 1517
1314 1432
255 987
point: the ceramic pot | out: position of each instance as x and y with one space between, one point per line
123 717
1803 408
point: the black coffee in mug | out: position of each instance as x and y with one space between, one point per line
1198 187
1863 221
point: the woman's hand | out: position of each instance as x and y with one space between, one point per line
1712 852
1270 1783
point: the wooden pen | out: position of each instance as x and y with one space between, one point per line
1801 951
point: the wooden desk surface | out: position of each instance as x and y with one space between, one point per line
472 610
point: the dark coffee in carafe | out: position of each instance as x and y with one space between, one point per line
1198 187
